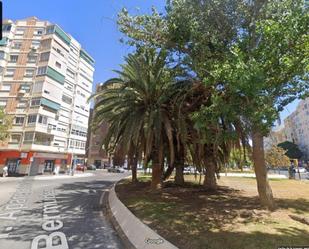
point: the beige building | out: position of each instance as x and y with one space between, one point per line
45 80
96 155
295 129
275 137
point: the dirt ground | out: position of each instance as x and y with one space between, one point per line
229 218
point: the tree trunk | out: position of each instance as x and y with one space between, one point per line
156 178
179 165
179 179
168 172
156 175
264 189
210 181
134 170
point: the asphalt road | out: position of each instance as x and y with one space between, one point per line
56 213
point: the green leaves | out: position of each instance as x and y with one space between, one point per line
5 124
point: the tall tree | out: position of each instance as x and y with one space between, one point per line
136 107
275 157
253 54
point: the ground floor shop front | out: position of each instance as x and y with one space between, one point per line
34 163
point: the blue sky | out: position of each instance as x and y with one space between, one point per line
93 24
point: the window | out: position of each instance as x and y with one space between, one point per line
42 119
16 45
39 31
2 54
29 73
2 103
20 31
66 99
37 87
45 44
6 87
77 143
25 87
13 58
35 44
32 119
52 127
35 102
42 70
58 64
10 71
22 104
70 73
29 136
50 29
32 58
58 51
19 120
44 56
6 27
15 138
69 87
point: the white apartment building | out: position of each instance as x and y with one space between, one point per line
46 79
295 129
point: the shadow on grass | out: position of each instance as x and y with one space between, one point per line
191 217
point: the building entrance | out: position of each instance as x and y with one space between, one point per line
13 166
49 166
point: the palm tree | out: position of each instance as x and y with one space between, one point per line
135 105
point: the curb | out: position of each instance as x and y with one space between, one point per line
134 233
106 211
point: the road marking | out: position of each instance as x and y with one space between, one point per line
7 235
8 229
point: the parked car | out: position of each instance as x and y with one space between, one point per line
189 170
116 170
91 167
300 170
80 167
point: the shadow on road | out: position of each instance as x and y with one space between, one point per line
79 209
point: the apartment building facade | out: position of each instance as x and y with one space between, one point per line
295 129
46 78
96 155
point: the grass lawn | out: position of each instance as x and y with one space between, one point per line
229 218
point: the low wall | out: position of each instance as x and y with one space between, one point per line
139 235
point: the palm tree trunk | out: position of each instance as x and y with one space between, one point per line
264 189
134 170
156 177
169 171
210 181
179 179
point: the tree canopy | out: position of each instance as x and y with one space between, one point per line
275 157
292 150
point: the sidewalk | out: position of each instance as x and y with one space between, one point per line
62 176
9 179
270 176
